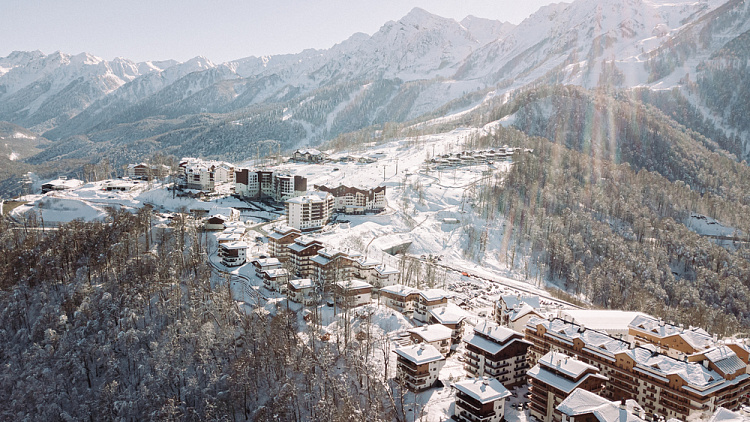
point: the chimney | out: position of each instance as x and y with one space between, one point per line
682 328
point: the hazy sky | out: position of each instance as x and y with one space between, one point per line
218 29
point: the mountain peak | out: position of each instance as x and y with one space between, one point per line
418 16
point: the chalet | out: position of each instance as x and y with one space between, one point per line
350 200
498 352
480 399
62 183
552 380
451 318
353 293
233 254
276 280
514 311
401 298
584 406
330 266
384 275
265 264
228 237
428 300
309 212
278 240
418 366
300 255
437 335
215 222
309 155
302 291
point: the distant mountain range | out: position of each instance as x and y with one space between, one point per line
421 65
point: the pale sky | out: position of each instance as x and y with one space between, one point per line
221 30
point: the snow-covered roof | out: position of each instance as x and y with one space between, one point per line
517 313
385 270
433 294
433 332
234 245
284 229
447 316
496 332
301 283
367 262
696 337
484 390
420 354
265 262
399 289
489 346
581 401
598 319
353 284
309 198
695 374
305 240
596 341
228 237
566 385
725 359
565 364
65 183
726 415
320 260
276 272
330 252
513 301
311 151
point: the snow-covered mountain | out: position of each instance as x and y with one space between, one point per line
417 65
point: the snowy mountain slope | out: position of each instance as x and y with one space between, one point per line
417 66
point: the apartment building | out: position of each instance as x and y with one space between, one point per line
418 366
437 335
278 240
276 280
552 380
300 255
264 184
428 300
353 293
233 254
497 352
399 297
584 406
302 290
309 212
662 384
480 399
514 311
451 318
669 339
351 200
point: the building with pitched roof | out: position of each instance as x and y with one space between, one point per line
276 280
437 335
514 311
553 378
353 293
480 399
400 298
497 352
670 339
278 240
310 211
418 366
662 384
233 254
301 290
351 200
584 406
300 254
428 300
452 318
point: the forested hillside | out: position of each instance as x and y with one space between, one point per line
117 321
616 235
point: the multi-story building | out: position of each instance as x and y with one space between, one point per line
383 275
673 388
552 380
452 319
309 155
399 297
263 184
302 290
309 212
670 339
350 200
437 335
233 254
265 264
514 311
353 293
418 366
276 280
480 400
146 171
204 175
331 266
497 352
278 240
428 300
300 255
611 321
584 406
